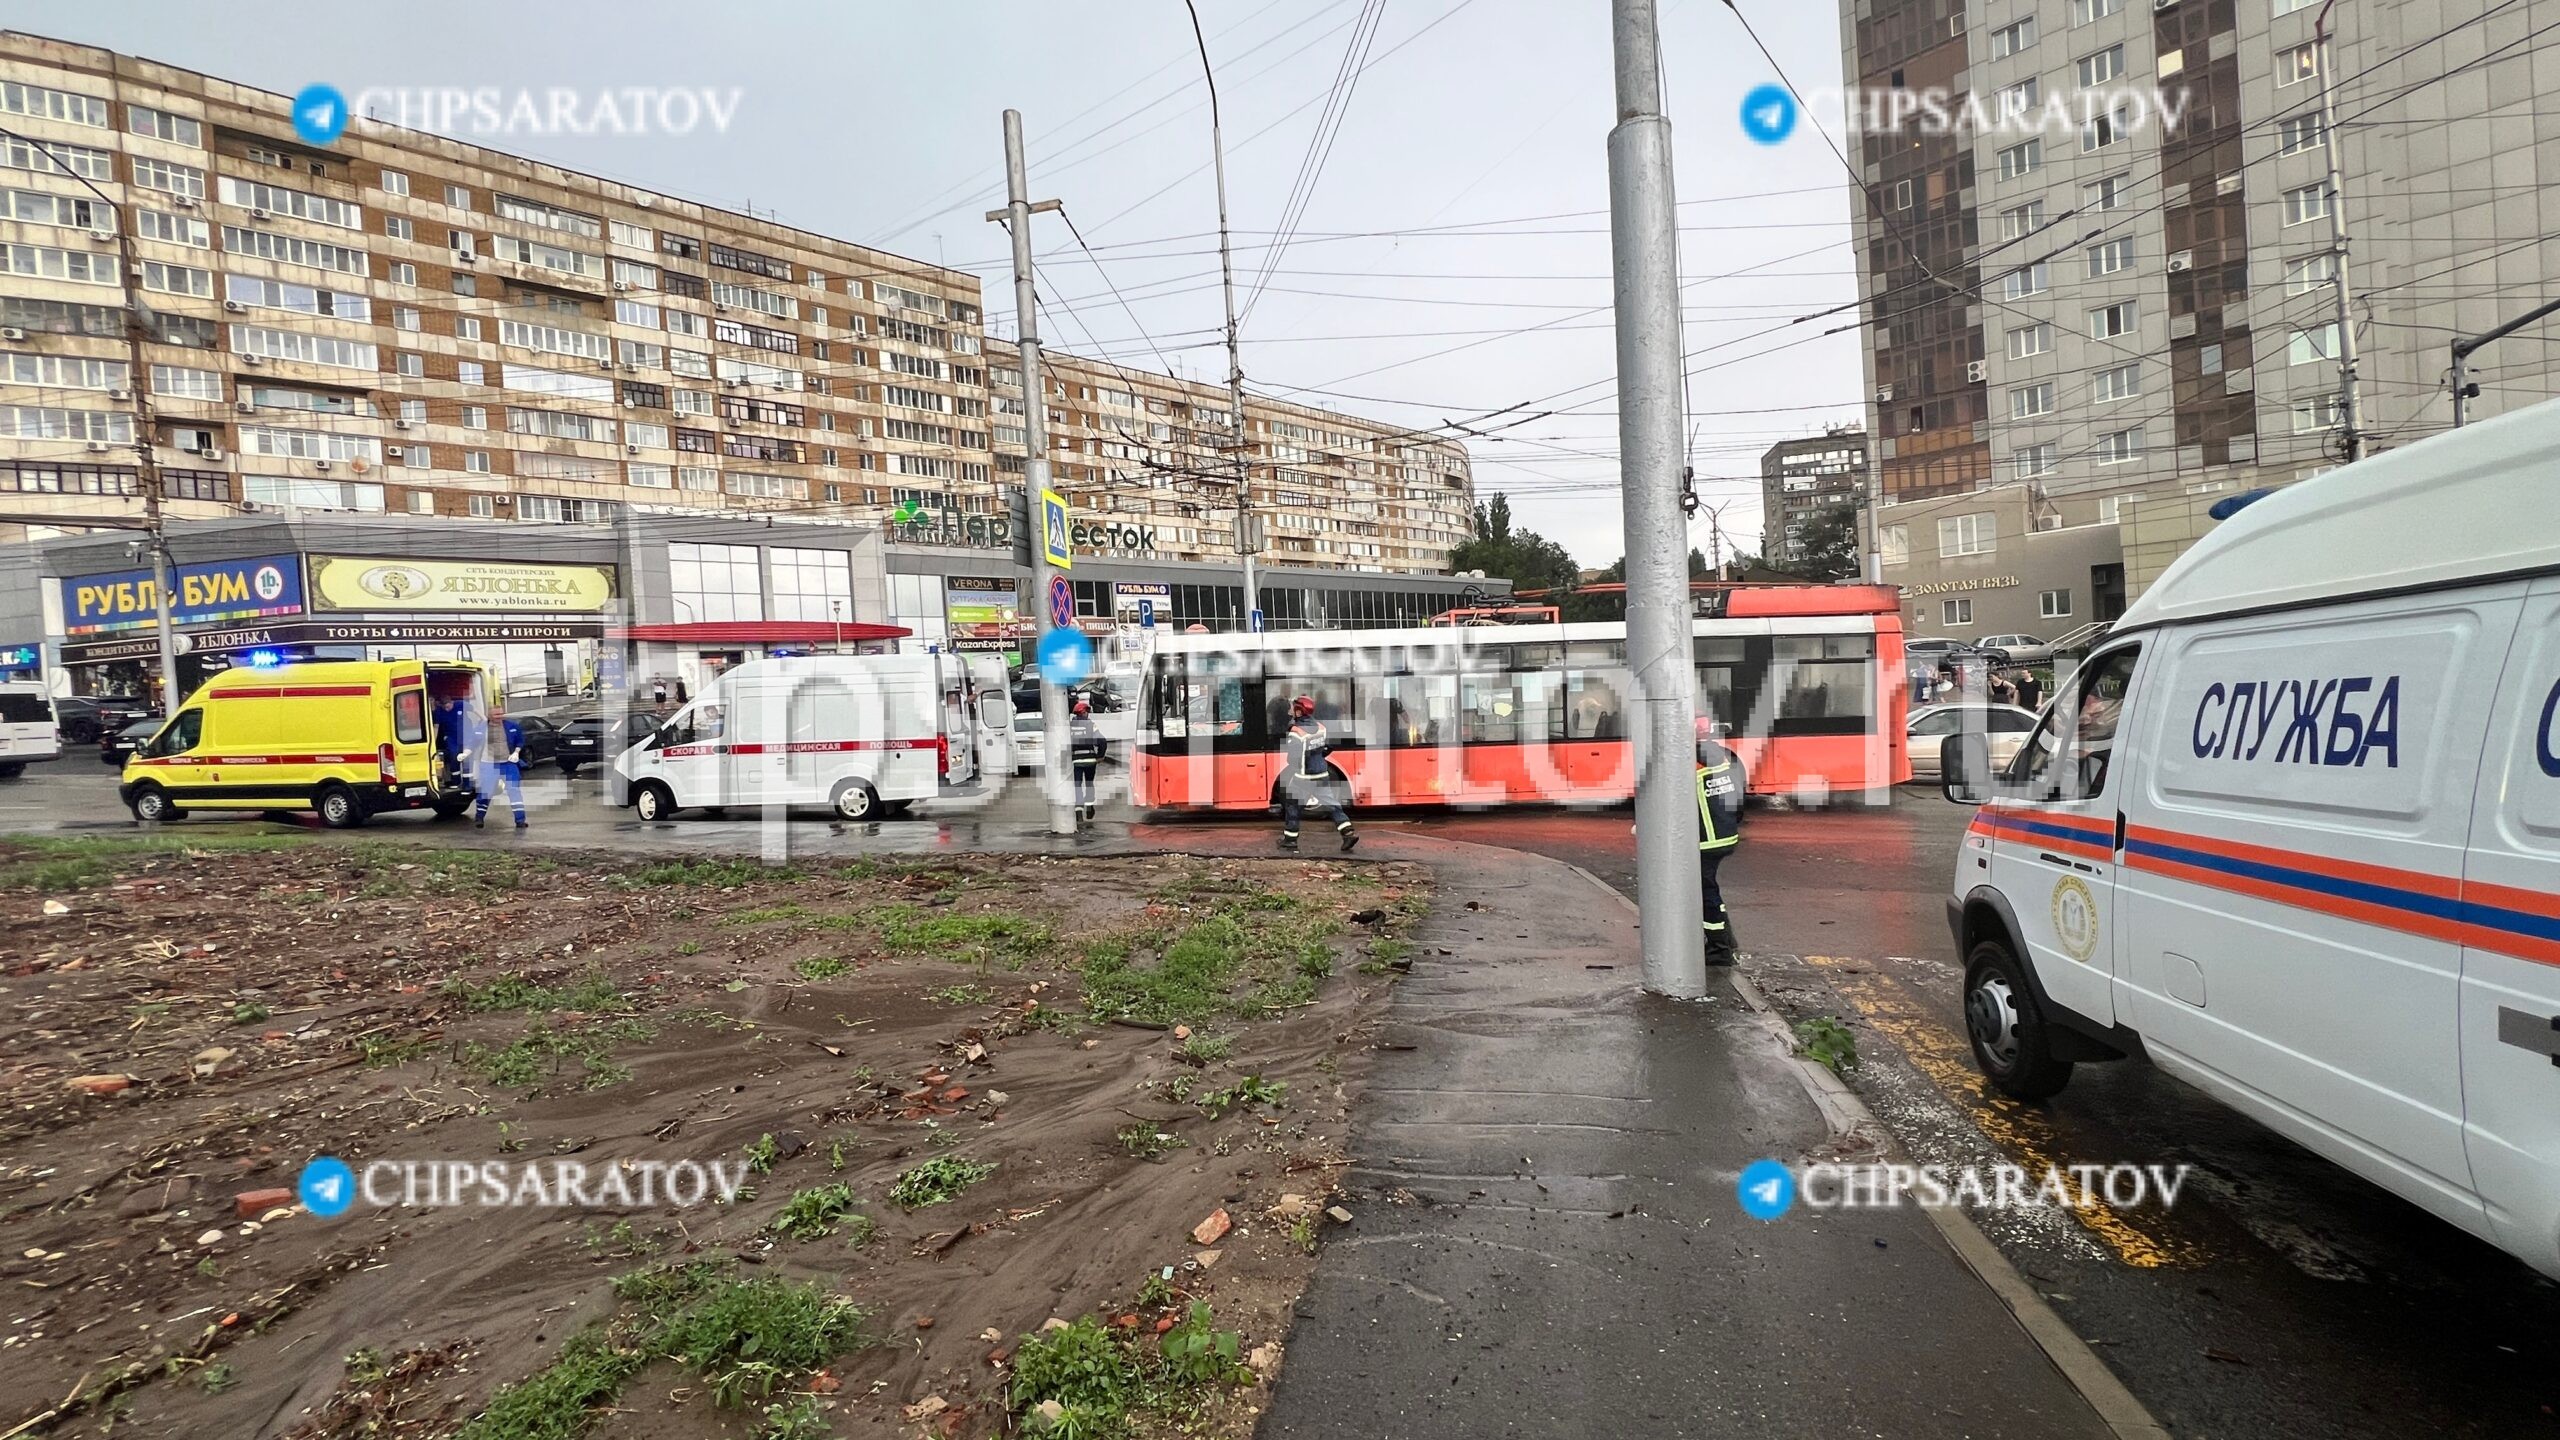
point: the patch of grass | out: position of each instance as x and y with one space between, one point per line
1099 1381
962 995
61 863
366 1366
767 914
983 939
1386 953
557 1401
1828 1043
1146 1142
249 1012
820 967
621 1242
937 1181
591 993
762 1152
1302 1233
689 947
1246 1093
384 1050
1081 1366
749 1336
1195 1352
1206 1049
541 1051
814 1213
216 1378
719 872
799 1419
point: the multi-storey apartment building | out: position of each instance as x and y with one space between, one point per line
400 323
1146 458
1799 478
2117 313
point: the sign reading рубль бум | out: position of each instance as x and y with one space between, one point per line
216 590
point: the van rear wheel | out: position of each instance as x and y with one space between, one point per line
855 800
339 808
2011 1042
152 806
652 802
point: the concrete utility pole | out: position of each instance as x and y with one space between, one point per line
1246 541
1645 239
2350 411
1016 217
138 381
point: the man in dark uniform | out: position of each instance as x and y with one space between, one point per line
1721 785
1085 749
1307 778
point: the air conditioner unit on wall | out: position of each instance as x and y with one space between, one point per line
1976 370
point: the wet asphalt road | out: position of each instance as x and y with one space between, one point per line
2281 1296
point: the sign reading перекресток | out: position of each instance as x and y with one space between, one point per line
215 590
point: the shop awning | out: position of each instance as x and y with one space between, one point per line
767 632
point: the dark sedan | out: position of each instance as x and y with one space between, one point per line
593 740
85 718
541 740
117 745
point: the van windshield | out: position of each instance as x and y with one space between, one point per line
2080 729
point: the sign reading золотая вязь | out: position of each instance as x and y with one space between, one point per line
372 582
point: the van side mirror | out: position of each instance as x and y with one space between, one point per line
1964 767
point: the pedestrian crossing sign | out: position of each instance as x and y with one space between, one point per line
1053 530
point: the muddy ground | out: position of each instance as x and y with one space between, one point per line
192 1021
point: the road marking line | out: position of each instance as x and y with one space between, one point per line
1947 1060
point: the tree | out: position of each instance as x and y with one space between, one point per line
1529 560
1828 543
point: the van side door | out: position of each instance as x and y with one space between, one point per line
2293 857
2510 921
2053 836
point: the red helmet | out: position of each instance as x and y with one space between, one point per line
1303 705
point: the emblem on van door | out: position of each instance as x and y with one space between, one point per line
395 582
2075 918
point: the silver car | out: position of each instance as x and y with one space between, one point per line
2015 649
2007 725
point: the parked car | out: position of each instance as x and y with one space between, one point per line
86 719
117 745
585 740
541 740
1029 749
1939 649
2015 649
2007 726
28 729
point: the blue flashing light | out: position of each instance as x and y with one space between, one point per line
264 659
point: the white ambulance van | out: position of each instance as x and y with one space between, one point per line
865 735
2293 833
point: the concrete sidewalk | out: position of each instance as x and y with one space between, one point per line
1547 1239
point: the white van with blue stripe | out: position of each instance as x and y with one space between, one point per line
2293 833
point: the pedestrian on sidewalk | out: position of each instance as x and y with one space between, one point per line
502 763
1309 777
1722 785
1085 749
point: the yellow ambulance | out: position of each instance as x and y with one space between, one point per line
344 738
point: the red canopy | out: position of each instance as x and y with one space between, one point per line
767 632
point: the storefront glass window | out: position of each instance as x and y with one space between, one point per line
812 584
715 582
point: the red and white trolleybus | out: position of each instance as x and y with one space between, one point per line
1807 678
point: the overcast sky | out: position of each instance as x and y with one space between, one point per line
1476 133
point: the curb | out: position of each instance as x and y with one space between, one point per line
1844 1113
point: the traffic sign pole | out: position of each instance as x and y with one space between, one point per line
1016 217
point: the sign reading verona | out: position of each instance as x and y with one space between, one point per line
377 583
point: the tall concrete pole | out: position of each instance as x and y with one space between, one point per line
1235 364
2350 404
1645 240
1054 780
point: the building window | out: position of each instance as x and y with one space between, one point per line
413 366
476 461
2110 257
1967 535
2110 321
2027 280
2321 412
2102 67
2119 447
2010 39
714 582
475 417
2022 220
413 412
2297 133
422 502
460 199
2298 64
1895 543
2311 272
811 584
2315 346
2021 159
403 273
161 125
2110 509
2054 604
1901 195
2028 461
2209 359
2107 129
395 183
2028 401
2306 203
2021 98
399 227
466 327
2029 340
404 317
2106 194
469 372
416 457
1958 611
2121 383
2084 11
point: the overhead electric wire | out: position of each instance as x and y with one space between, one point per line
1293 208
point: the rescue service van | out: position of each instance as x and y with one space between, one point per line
345 738
865 735
2293 833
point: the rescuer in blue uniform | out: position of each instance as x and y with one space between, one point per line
1307 778
1721 784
